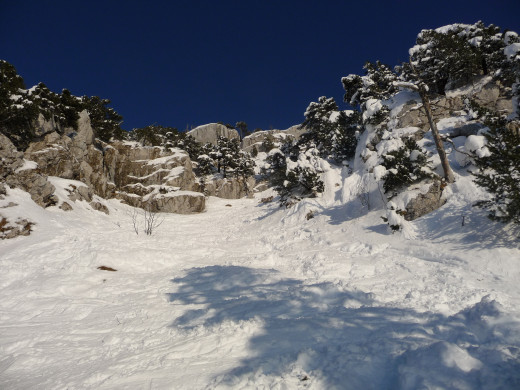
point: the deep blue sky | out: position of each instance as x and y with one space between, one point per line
187 63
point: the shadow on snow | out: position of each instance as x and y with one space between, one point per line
345 339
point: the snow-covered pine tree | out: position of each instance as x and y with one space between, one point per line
377 83
245 166
226 154
292 175
105 121
319 126
499 167
267 144
205 165
346 135
16 110
70 108
147 136
499 173
453 55
334 133
404 166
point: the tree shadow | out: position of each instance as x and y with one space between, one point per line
336 338
345 212
468 227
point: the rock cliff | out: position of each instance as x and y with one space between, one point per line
209 133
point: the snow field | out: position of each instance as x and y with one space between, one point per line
254 296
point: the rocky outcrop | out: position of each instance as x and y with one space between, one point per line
37 185
99 207
484 91
21 227
10 158
180 202
44 126
209 133
15 173
230 188
256 139
154 178
425 203
73 156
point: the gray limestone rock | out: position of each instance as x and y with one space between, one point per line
256 139
99 207
209 133
37 185
230 188
66 207
425 203
10 158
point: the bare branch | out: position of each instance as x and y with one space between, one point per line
406 85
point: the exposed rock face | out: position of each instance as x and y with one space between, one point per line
425 203
209 133
83 138
13 173
180 202
99 207
485 92
37 185
80 193
256 139
154 178
10 158
230 188
43 126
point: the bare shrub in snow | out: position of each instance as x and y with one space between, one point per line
151 220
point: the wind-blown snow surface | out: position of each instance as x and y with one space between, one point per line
254 296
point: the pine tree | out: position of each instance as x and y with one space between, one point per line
242 129
105 121
70 107
17 111
244 166
451 56
499 170
334 133
346 135
320 128
267 144
404 166
378 83
205 165
226 154
295 183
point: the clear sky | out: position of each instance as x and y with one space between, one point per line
187 63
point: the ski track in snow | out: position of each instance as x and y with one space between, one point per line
254 296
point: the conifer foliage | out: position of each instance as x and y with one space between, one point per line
294 175
334 133
377 83
404 166
20 107
499 168
499 173
451 56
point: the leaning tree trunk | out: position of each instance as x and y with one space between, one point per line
420 87
448 173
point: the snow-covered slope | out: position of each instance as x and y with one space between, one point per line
249 295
